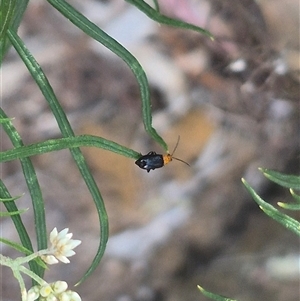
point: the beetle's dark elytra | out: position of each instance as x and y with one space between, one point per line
150 161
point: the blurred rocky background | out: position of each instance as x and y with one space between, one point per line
233 101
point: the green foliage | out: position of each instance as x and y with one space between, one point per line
18 212
11 14
155 15
63 143
35 193
213 296
288 181
23 250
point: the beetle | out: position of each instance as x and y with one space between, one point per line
152 160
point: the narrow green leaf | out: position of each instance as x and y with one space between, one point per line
22 249
158 17
12 19
7 8
289 181
16 246
64 143
289 206
99 35
24 237
5 214
271 211
295 196
21 6
2 120
156 5
10 199
213 296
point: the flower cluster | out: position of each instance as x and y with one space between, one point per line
52 292
61 247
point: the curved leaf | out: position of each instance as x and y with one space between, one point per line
162 19
99 35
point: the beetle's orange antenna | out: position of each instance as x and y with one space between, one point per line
168 157
178 139
181 161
